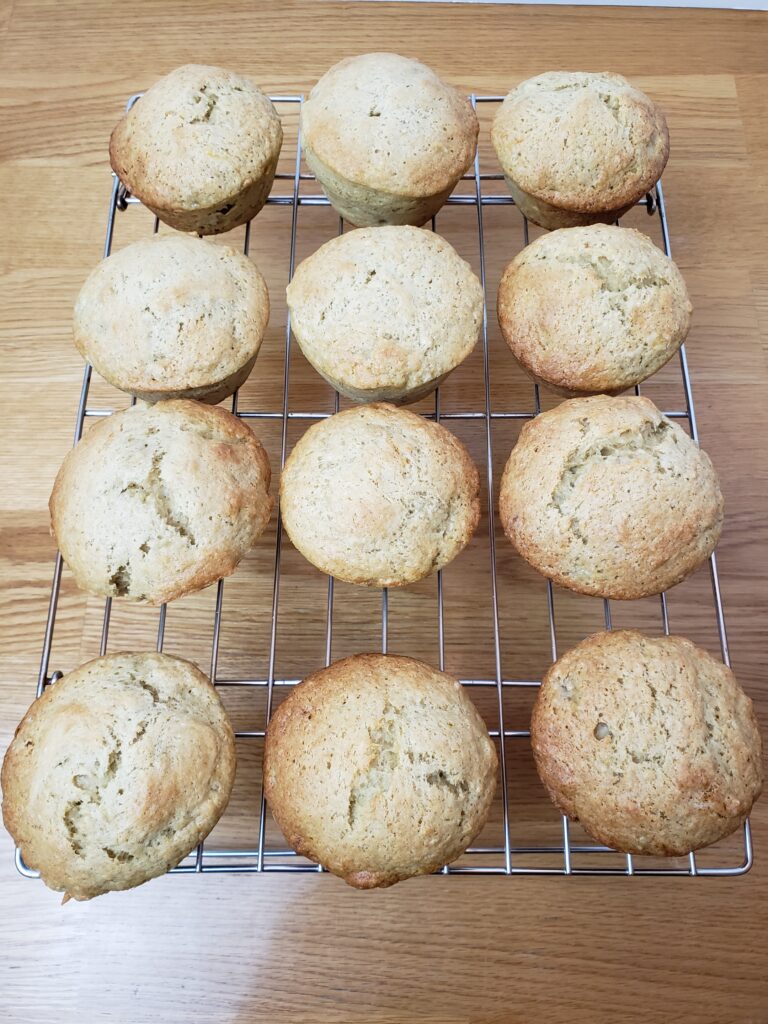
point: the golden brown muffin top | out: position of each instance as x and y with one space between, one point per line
650 743
581 140
380 768
117 771
389 123
608 497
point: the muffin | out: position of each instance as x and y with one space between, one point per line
160 500
384 314
578 147
650 743
199 149
173 316
608 497
379 496
387 139
593 309
117 772
380 768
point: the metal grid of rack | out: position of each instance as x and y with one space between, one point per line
568 856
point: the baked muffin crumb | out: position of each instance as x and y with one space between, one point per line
380 768
160 501
579 147
384 314
199 149
173 316
117 772
379 496
650 743
387 139
593 309
606 496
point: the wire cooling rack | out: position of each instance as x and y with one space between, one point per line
507 852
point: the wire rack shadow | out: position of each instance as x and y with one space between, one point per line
567 856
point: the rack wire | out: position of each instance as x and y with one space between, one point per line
567 856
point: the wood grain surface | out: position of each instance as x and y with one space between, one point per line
306 948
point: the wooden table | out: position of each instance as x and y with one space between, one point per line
306 948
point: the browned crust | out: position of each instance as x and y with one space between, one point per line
176 386
132 176
433 179
215 566
555 753
297 707
244 201
625 191
627 591
621 199
628 588
469 472
523 322
14 801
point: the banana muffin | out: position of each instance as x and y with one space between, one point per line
608 497
384 314
160 500
379 768
593 309
379 496
117 772
387 139
199 149
173 316
578 147
650 744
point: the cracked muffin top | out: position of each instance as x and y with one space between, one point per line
609 497
159 501
199 148
379 496
382 312
650 743
591 309
172 316
391 124
116 773
581 140
380 768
